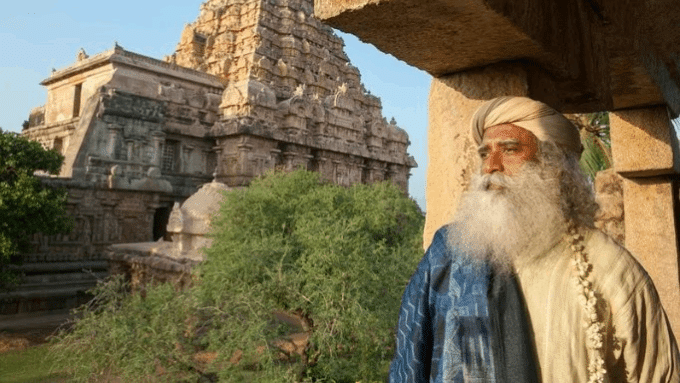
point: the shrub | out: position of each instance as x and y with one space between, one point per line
26 205
338 257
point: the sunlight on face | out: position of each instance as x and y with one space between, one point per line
505 148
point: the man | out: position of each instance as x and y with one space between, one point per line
520 287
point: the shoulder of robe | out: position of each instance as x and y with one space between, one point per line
616 272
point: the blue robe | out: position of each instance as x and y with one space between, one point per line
459 322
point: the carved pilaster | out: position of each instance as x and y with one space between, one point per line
186 158
158 139
114 133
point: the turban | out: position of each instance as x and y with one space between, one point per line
544 122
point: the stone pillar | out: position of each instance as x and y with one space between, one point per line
644 148
204 162
274 157
452 155
186 158
157 157
130 145
244 154
111 142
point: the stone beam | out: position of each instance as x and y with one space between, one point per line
448 36
581 56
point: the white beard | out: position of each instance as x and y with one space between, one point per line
510 220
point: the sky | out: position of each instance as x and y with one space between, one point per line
38 35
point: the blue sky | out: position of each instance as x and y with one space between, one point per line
36 36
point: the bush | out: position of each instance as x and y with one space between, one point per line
338 257
26 205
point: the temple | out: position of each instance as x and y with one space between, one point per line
253 86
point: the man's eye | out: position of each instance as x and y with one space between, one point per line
483 155
512 149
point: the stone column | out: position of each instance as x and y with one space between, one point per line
219 171
111 142
452 155
186 158
204 161
158 139
644 147
244 155
274 157
130 145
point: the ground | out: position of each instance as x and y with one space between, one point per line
18 332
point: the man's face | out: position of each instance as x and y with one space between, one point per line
505 148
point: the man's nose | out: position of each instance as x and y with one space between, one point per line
493 163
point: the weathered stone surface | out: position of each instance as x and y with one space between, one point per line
292 98
253 86
128 106
650 205
269 87
189 224
590 56
644 142
145 263
452 154
101 217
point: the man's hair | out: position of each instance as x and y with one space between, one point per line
577 197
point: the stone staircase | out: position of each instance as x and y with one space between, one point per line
54 282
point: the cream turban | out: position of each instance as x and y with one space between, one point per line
544 122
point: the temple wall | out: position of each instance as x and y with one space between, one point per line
61 95
101 217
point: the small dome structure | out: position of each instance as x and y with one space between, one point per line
189 223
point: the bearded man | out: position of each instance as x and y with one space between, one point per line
520 287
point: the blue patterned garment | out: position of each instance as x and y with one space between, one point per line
446 332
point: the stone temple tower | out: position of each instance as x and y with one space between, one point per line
291 97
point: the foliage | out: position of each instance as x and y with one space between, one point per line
129 336
596 154
337 257
26 206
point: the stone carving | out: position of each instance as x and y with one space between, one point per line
252 86
81 56
276 76
116 179
152 182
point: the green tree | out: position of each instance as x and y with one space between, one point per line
597 153
26 205
338 257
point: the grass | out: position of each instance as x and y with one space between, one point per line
29 366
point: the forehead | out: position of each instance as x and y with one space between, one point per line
508 132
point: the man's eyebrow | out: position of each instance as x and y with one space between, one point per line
509 142
484 147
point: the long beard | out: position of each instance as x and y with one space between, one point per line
509 220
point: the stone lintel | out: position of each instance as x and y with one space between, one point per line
651 236
560 39
598 55
644 142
